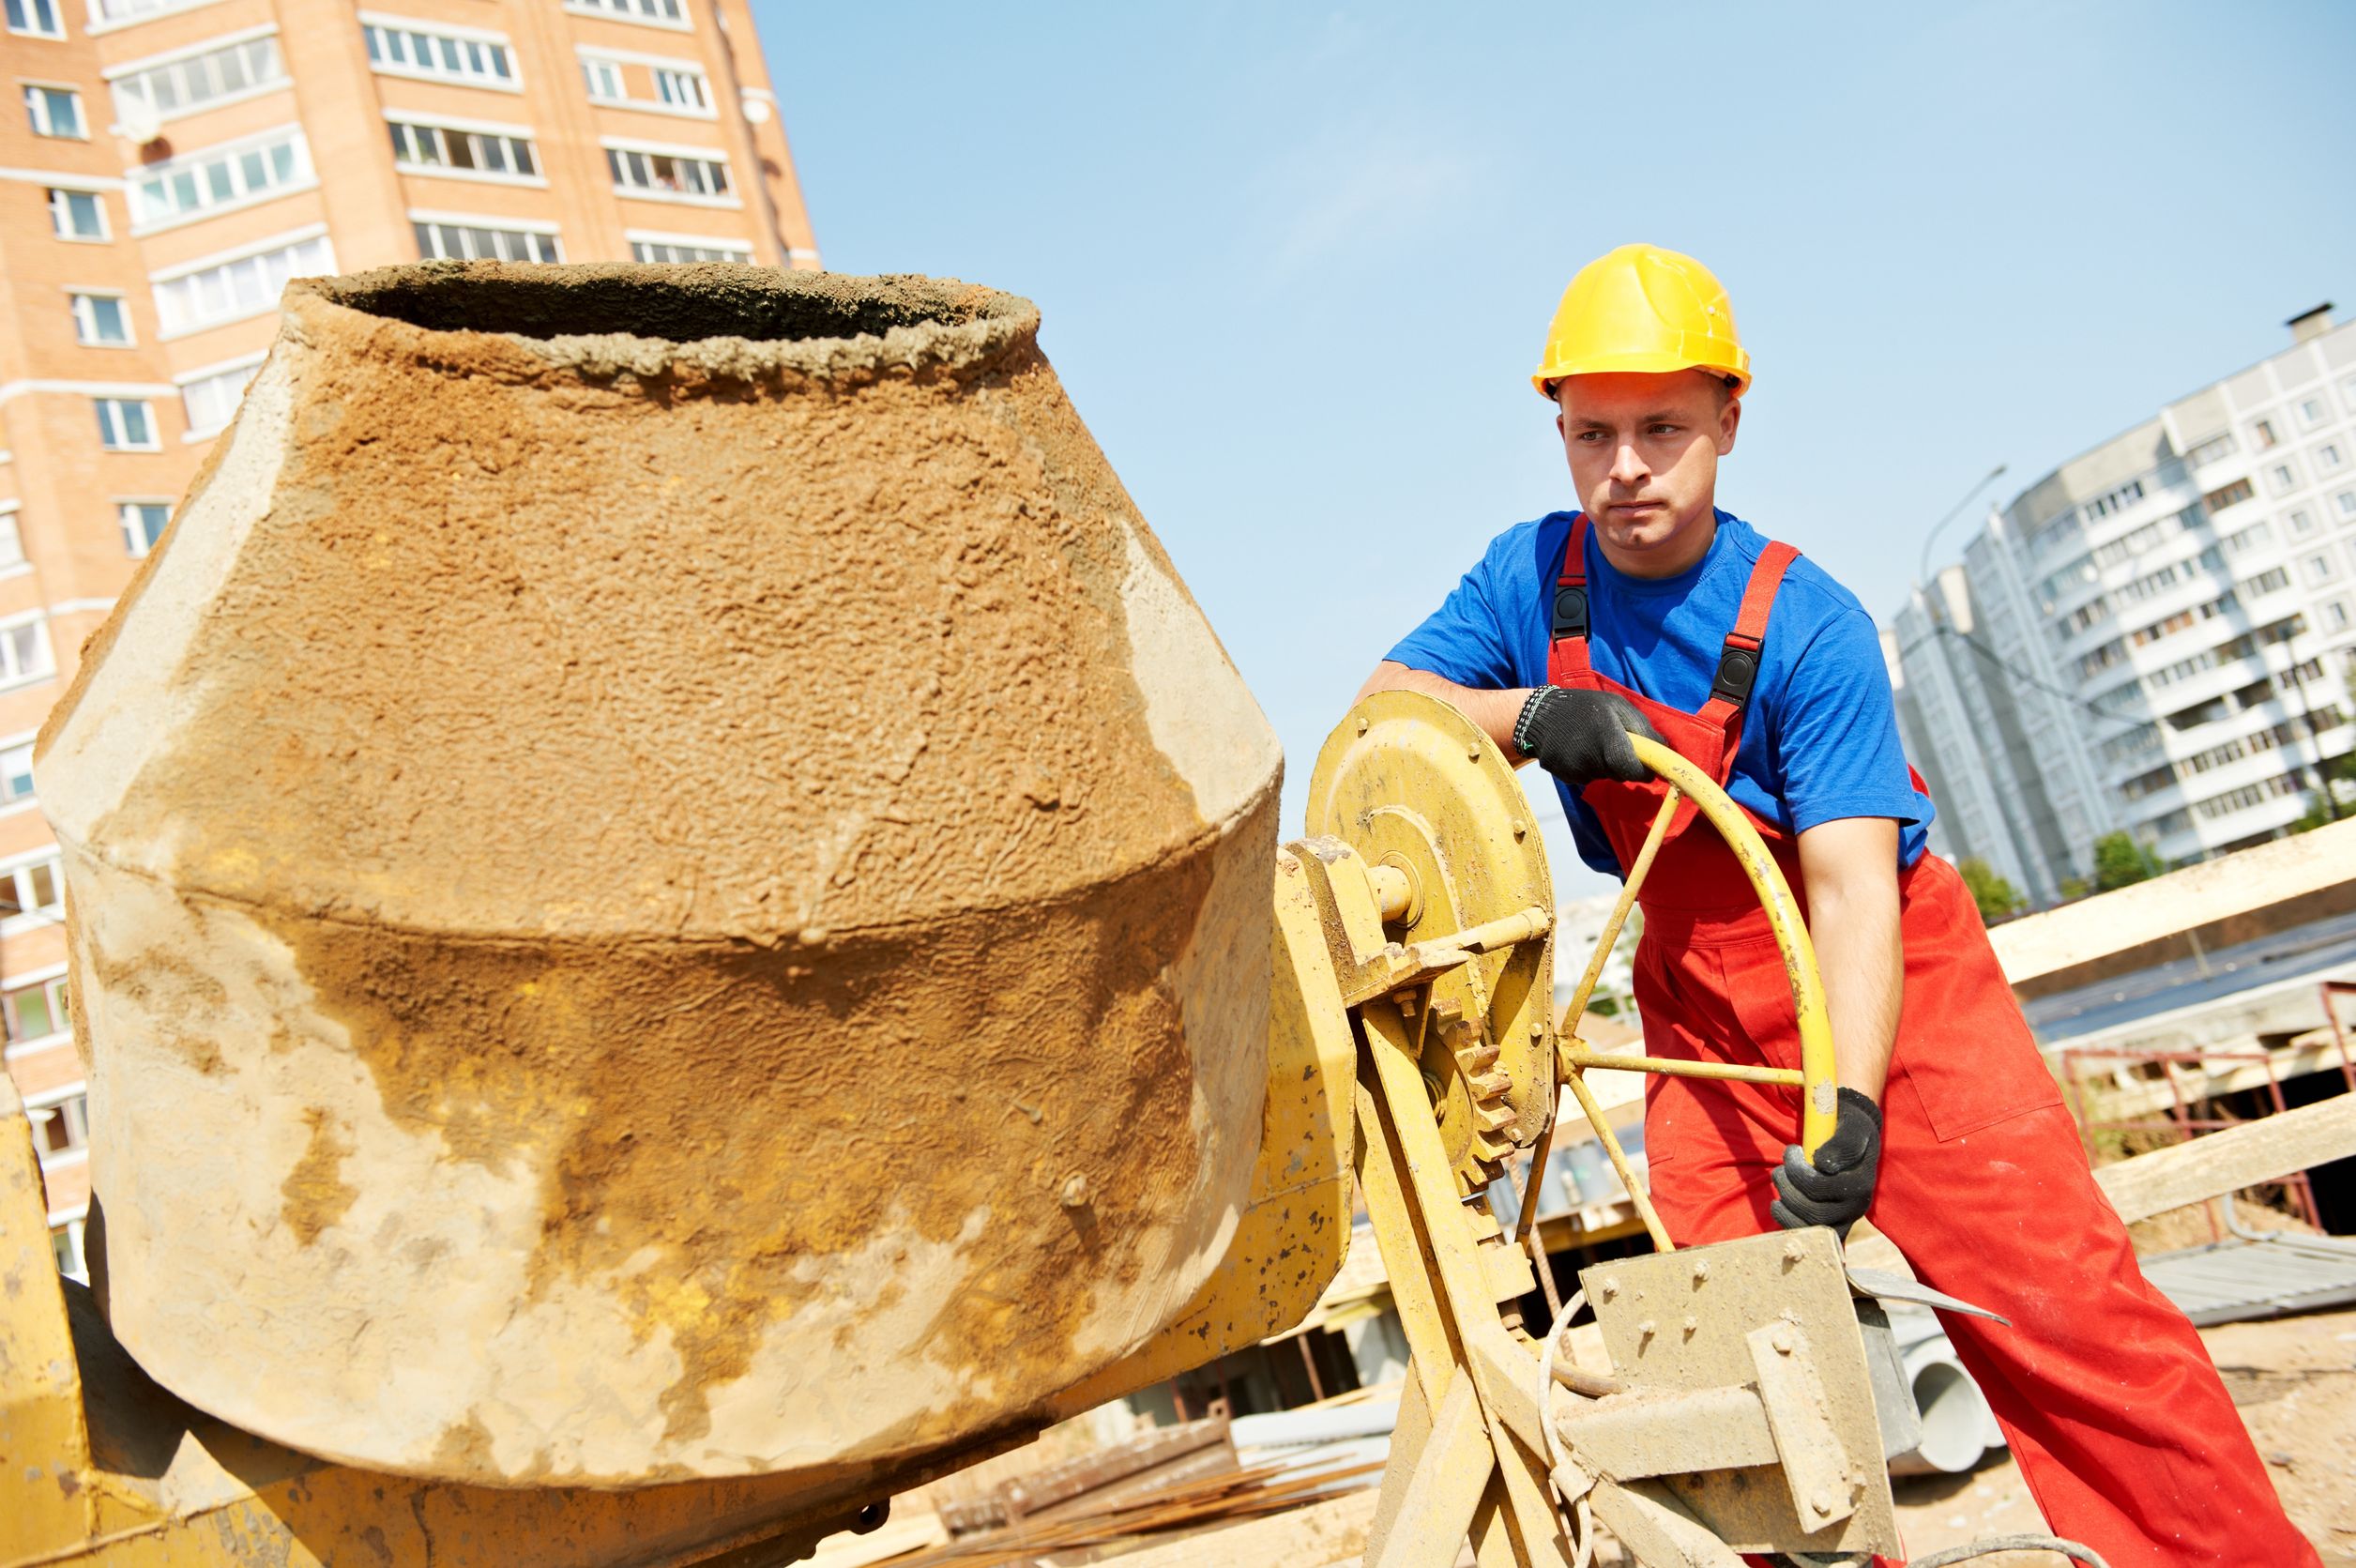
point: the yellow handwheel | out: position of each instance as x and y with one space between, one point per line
1817 1073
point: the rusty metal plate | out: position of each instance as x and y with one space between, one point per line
1684 1321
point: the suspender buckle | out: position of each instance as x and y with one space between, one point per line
1738 667
1570 612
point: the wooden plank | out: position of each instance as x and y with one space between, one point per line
2266 1150
1324 1532
2166 907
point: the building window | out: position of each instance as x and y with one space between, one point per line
55 112
2248 538
2103 506
680 89
219 178
2321 569
16 773
131 10
690 251
2210 451
77 214
11 543
2345 501
2262 434
180 86
60 1128
2336 616
32 887
2248 796
127 424
641 172
662 13
448 240
2329 456
37 17
232 290
211 401
143 523
2300 523
2227 496
420 49
2311 411
24 652
2268 582
436 149
37 1010
605 78
100 320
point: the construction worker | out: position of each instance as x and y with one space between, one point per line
1647 610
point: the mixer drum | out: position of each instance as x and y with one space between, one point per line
664 881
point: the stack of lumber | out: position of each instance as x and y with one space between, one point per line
1160 1486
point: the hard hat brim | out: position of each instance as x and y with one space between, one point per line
1648 363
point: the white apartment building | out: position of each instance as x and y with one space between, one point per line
2155 637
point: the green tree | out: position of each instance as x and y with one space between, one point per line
2340 770
1996 897
2074 888
2120 859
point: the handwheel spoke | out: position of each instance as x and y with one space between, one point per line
1627 901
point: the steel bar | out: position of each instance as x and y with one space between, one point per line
1619 1156
1578 1054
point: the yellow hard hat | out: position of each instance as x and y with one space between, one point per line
1641 308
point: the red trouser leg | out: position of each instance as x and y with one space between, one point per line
2114 1412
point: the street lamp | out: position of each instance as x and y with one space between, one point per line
1923 572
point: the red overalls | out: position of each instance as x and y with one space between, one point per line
2116 1417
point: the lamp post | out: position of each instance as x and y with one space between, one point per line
1923 570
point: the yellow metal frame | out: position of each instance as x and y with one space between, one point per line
1469 1456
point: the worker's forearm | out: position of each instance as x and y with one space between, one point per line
1853 917
1494 711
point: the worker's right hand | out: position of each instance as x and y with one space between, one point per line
1580 736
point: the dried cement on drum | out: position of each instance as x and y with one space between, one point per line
651 908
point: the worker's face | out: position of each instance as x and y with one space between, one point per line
1643 452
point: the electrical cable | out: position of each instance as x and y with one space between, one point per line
2010 1544
1556 1459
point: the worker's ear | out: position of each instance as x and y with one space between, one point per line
1729 418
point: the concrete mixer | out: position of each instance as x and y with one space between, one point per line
677 927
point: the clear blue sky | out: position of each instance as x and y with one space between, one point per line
1295 263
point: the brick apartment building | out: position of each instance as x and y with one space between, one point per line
165 166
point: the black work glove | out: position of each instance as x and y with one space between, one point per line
1838 1188
1580 736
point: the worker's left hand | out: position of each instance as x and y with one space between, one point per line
1838 1188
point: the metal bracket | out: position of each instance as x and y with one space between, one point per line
1887 1286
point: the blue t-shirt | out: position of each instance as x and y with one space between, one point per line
1820 735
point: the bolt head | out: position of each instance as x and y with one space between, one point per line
1827 1500
1701 1269
1521 830
1693 1325
1646 1328
1781 1339
1361 726
1608 1286
1472 750
1793 1251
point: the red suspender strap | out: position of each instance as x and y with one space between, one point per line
1738 662
1566 654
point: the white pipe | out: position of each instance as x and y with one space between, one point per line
1955 1417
